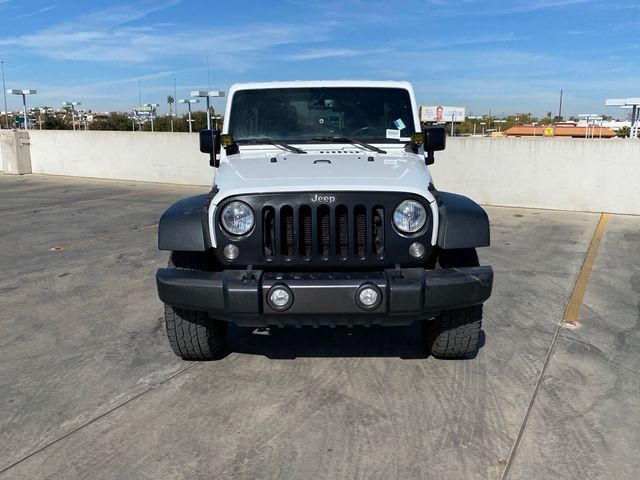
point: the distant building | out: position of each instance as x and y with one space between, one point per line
565 130
92 117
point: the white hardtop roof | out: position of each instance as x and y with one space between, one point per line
321 83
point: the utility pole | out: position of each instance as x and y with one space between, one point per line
4 92
171 111
175 97
560 109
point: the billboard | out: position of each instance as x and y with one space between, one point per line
143 111
442 114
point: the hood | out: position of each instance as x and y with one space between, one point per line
329 170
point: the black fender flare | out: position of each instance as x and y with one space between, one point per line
462 222
184 225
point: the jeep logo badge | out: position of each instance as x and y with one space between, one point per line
323 199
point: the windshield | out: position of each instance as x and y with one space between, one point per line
306 115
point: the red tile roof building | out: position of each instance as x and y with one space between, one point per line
560 131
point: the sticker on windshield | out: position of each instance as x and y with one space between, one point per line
399 124
393 133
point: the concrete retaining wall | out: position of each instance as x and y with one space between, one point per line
15 155
144 156
565 174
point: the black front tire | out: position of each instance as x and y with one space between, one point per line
193 335
454 333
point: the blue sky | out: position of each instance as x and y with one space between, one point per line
508 56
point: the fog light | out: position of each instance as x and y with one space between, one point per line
280 298
368 297
416 249
231 252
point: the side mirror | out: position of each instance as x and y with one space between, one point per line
210 143
435 140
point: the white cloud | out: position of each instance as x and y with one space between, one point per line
497 7
110 36
317 54
37 12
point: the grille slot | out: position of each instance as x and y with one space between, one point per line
268 231
324 235
286 234
378 230
342 229
361 230
305 233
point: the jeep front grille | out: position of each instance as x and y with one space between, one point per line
326 231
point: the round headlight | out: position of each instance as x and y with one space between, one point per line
237 218
410 216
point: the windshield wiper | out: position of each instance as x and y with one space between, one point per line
349 140
271 141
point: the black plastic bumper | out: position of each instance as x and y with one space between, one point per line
324 298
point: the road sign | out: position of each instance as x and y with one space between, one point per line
548 131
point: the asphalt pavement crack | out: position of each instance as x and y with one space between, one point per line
117 407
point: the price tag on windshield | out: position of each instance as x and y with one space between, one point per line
393 133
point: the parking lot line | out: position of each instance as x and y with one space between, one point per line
571 314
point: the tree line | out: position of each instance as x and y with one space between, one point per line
123 122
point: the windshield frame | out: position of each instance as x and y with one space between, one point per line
403 107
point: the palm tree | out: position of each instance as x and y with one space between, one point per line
170 101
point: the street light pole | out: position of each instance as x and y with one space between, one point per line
73 111
207 95
475 119
24 94
4 92
189 102
153 107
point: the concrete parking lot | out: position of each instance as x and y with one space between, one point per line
90 389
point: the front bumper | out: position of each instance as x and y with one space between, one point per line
240 297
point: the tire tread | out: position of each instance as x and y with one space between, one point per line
193 335
454 333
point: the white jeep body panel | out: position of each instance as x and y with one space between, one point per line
328 168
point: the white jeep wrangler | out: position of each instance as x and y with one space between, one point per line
323 212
